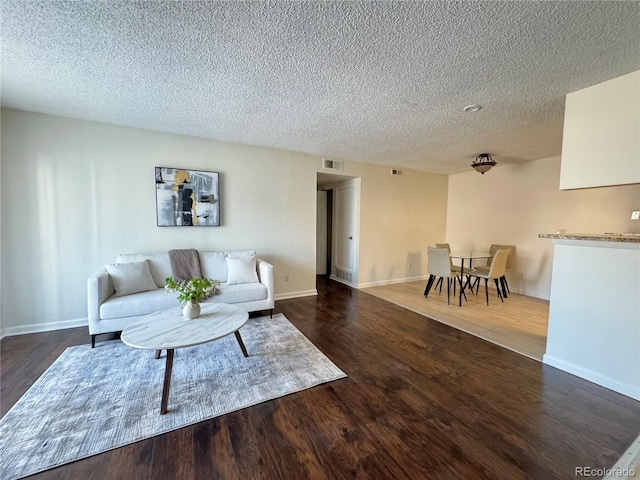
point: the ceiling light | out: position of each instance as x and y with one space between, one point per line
483 163
472 108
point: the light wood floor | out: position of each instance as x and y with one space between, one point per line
519 324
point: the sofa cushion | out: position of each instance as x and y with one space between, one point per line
241 253
214 264
131 277
158 299
158 264
138 304
247 292
241 270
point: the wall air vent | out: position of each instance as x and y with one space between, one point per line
344 274
396 172
331 164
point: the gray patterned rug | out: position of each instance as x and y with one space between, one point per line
93 400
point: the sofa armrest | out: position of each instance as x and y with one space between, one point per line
265 274
99 288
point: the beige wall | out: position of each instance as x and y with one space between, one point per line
512 204
74 194
399 217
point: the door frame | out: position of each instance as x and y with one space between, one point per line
323 265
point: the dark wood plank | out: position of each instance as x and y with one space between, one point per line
166 464
213 453
422 400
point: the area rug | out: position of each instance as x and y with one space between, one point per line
93 400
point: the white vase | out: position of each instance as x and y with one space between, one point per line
191 310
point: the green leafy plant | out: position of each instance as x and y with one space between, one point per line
194 290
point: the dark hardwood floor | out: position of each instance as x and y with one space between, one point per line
422 401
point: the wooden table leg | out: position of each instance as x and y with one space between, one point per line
167 382
241 343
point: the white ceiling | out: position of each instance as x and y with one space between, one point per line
382 82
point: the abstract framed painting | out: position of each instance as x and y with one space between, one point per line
187 198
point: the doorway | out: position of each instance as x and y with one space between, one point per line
324 200
337 227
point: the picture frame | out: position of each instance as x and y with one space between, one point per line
187 198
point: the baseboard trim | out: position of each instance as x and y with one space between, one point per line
392 281
599 379
424 278
304 293
83 322
380 283
529 293
344 282
45 327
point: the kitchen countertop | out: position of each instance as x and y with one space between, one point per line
598 237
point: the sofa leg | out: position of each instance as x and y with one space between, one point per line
93 341
271 312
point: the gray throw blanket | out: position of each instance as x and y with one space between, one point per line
185 264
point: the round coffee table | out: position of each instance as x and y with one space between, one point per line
169 329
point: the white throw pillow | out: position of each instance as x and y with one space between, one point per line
131 278
242 270
158 264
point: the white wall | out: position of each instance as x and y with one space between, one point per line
512 204
601 136
594 314
74 194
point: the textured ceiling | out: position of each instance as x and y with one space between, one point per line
381 82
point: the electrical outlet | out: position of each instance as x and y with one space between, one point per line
286 278
635 215
409 266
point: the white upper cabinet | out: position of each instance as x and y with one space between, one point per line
601 138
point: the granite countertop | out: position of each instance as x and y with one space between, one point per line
598 237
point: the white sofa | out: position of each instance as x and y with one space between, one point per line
109 312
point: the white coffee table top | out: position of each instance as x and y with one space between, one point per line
169 329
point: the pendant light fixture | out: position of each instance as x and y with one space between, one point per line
483 163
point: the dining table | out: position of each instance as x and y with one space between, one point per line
469 256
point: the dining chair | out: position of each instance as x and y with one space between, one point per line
454 268
485 268
439 266
496 271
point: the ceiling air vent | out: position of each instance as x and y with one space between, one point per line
396 172
330 164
